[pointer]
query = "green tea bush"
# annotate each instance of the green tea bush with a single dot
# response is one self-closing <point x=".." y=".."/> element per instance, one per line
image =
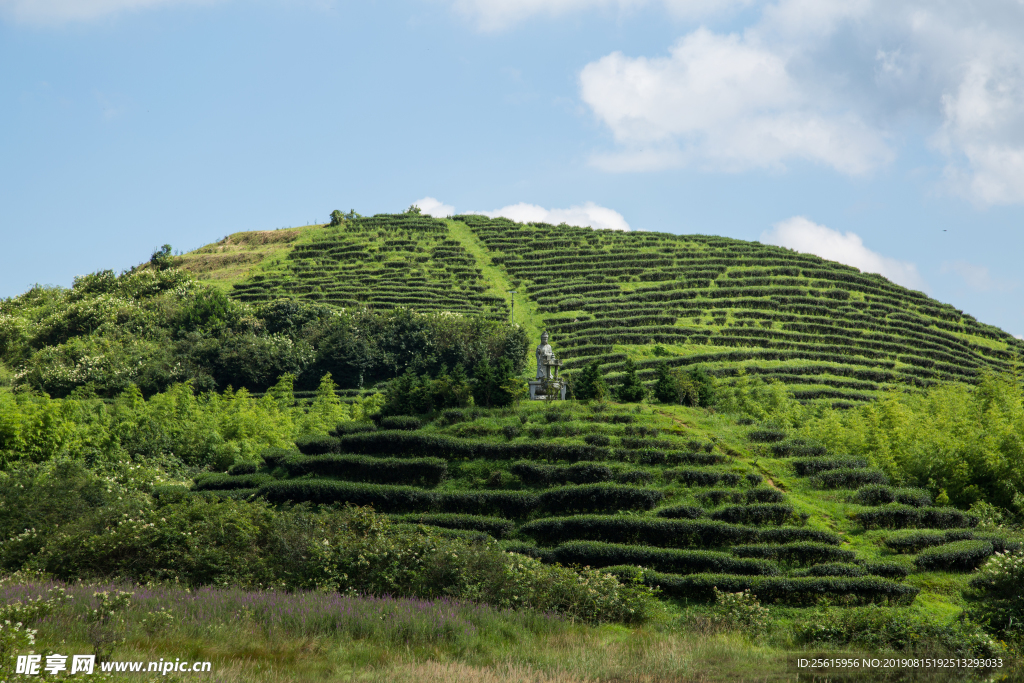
<point x="916" y="541"/>
<point x="242" y="468"/>
<point x="831" y="569"/>
<point x="797" y="448"/>
<point x="682" y="512"/>
<point x="883" y="495"/>
<point x="597" y="554"/>
<point x="679" y="533"/>
<point x="957" y="556"/>
<point x="998" y="599"/>
<point x="811" y="466"/>
<point x="703" y="478"/>
<point x="849" y="478"/>
<point x="545" y="475"/>
<point x="760" y="494"/>
<point x="796" y="553"/>
<point x="760" y="513"/>
<point x="403" y="422"/>
<point x="318" y="445"/>
<point x="599" y="498"/>
<point x="495" y="526"/>
<point x="791" y="590"/>
<point x="272" y="457"/>
<point x="766" y="435"/>
<point x="897" y="516"/>
<point x="889" y="570"/>
<point x="353" y="427"/>
<point x="227" y="481"/>
<point x="427" y="471"/>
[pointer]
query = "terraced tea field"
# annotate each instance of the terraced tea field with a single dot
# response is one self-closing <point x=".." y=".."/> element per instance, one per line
<point x="685" y="500"/>
<point x="827" y="331"/>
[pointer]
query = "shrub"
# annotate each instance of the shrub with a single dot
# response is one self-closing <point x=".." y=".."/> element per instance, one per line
<point x="793" y="590"/>
<point x="272" y="457"/>
<point x="797" y="448"/>
<point x="597" y="439"/>
<point x="889" y="570"/>
<point x="811" y="466"/>
<point x="917" y="541"/>
<point x="318" y="445"/>
<point x="831" y="569"/>
<point x="599" y="498"/>
<point x="511" y="431"/>
<point x="897" y="516"/>
<point x="591" y="385"/>
<point x="354" y="427"/>
<point x="364" y="468"/>
<point x="760" y="494"/>
<point x="682" y="512"/>
<point x="882" y="495"/>
<point x="634" y="477"/>
<point x="764" y="513"/>
<point x="242" y="468"/>
<point x="402" y="422"/>
<point x="958" y="556"/>
<point x="703" y="477"/>
<point x="495" y="526"/>
<point x="766" y="435"/>
<point x="399" y="443"/>
<point x="545" y="475"/>
<point x="679" y="533"/>
<point x="226" y="481"/>
<point x="597" y="554"/>
<point x="997" y="591"/>
<point x="796" y="553"/>
<point x="849" y="478"/>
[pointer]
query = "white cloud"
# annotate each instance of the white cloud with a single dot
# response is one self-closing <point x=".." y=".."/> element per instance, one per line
<point x="62" y="11"/>
<point x="722" y="101"/>
<point x="497" y="15"/>
<point x="977" y="277"/>
<point x="435" y="208"/>
<point x="842" y="83"/>
<point x="588" y="215"/>
<point x="805" y="236"/>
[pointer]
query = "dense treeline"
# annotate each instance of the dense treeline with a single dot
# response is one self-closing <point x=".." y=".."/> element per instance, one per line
<point x="154" y="328"/>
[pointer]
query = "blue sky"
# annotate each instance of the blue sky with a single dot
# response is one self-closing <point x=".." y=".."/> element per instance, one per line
<point x="885" y="134"/>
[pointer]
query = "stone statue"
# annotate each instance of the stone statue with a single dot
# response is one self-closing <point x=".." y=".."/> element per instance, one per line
<point x="544" y="356"/>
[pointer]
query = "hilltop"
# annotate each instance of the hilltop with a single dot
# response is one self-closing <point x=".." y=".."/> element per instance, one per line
<point x="823" y="329"/>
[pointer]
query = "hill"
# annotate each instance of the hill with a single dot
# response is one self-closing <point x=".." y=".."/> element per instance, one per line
<point x="825" y="330"/>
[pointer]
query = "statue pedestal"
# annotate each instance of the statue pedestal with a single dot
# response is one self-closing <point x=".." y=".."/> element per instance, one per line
<point x="543" y="390"/>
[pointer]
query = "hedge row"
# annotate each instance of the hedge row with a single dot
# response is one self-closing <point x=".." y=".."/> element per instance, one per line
<point x="958" y="556"/>
<point x="889" y="570"/>
<point x="495" y="526"/>
<point x="682" y="512"/>
<point x="705" y="478"/>
<point x="429" y="471"/>
<point x="811" y="466"/>
<point x="917" y="541"/>
<point x="599" y="498"/>
<point x="665" y="533"/>
<point x="597" y="554"/>
<point x="849" y="478"/>
<point x="792" y="590"/>
<point x="767" y="435"/>
<point x="762" y="513"/>
<point x="545" y="475"/>
<point x="883" y="495"/>
<point x="223" y="482"/>
<point x="409" y="443"/>
<point x="804" y="553"/>
<point x="657" y="457"/>
<point x="797" y="448"/>
<point x="761" y="494"/>
<point x="906" y="517"/>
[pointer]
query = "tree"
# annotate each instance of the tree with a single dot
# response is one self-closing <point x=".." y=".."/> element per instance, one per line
<point x="591" y="385"/>
<point x="337" y="217"/>
<point x="705" y="386"/>
<point x="161" y="258"/>
<point x="666" y="389"/>
<point x="483" y="383"/>
<point x="631" y="390"/>
<point x="415" y="210"/>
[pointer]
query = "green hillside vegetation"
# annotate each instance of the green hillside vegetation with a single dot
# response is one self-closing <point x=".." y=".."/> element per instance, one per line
<point x="825" y="330"/>
<point x="767" y="456"/>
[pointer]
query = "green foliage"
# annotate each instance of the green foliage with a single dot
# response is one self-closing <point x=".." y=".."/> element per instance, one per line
<point x="878" y="628"/>
<point x="597" y="554"/>
<point x="849" y="478"/>
<point x="916" y="541"/>
<point x="632" y="389"/>
<point x="161" y="258"/>
<point x="958" y="556"/>
<point x="999" y="601"/>
<point x="895" y="516"/>
<point x="796" y="553"/>
<point x="742" y="610"/>
<point x="882" y="495"/>
<point x="591" y="385"/>
<point x="337" y="218"/>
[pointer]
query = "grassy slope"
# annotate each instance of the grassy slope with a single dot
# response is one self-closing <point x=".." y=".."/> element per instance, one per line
<point x="825" y="330"/>
<point x="657" y="649"/>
